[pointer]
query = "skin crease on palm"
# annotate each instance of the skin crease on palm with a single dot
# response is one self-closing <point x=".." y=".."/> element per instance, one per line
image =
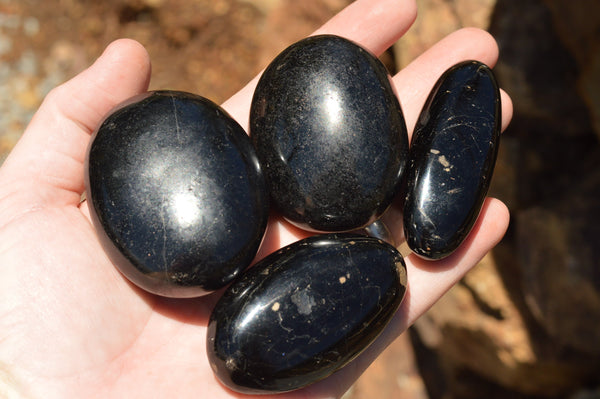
<point x="72" y="327"/>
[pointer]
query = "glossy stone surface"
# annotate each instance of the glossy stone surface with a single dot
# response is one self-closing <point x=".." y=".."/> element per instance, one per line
<point x="452" y="157"/>
<point x="176" y="193"/>
<point x="303" y="312"/>
<point x="330" y="134"/>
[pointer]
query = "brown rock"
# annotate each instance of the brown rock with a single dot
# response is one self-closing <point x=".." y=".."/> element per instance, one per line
<point x="559" y="247"/>
<point x="579" y="29"/>
<point x="477" y="327"/>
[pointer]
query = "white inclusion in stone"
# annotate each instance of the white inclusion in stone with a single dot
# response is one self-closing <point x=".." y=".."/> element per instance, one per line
<point x="442" y="159"/>
<point x="345" y="278"/>
<point x="303" y="301"/>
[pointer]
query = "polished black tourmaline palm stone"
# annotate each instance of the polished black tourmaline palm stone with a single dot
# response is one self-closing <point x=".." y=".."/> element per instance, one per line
<point x="304" y="312"/>
<point x="330" y="134"/>
<point x="176" y="193"/>
<point x="452" y="157"/>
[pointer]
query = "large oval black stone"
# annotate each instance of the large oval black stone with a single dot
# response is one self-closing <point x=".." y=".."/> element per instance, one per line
<point x="330" y="134"/>
<point x="176" y="193"/>
<point x="452" y="157"/>
<point x="303" y="312"/>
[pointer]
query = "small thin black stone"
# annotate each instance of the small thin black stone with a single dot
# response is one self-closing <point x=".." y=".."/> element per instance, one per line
<point x="303" y="312"/>
<point x="330" y="134"/>
<point x="176" y="193"/>
<point x="452" y="157"/>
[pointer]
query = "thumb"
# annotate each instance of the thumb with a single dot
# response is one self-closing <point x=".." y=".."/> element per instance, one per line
<point x="46" y="166"/>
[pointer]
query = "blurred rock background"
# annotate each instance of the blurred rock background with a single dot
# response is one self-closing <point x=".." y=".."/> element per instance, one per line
<point x="525" y="323"/>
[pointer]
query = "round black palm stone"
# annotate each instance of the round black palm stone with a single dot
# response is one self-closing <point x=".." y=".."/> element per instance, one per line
<point x="176" y="193"/>
<point x="330" y="134"/>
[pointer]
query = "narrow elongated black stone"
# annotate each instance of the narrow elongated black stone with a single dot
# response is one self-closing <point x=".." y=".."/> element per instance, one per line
<point x="452" y="157"/>
<point x="303" y="312"/>
<point x="330" y="134"/>
<point x="176" y="193"/>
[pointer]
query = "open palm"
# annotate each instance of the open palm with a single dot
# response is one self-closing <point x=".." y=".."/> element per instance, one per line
<point x="72" y="327"/>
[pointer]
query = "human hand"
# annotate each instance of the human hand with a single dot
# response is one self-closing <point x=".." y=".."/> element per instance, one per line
<point x="72" y="326"/>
